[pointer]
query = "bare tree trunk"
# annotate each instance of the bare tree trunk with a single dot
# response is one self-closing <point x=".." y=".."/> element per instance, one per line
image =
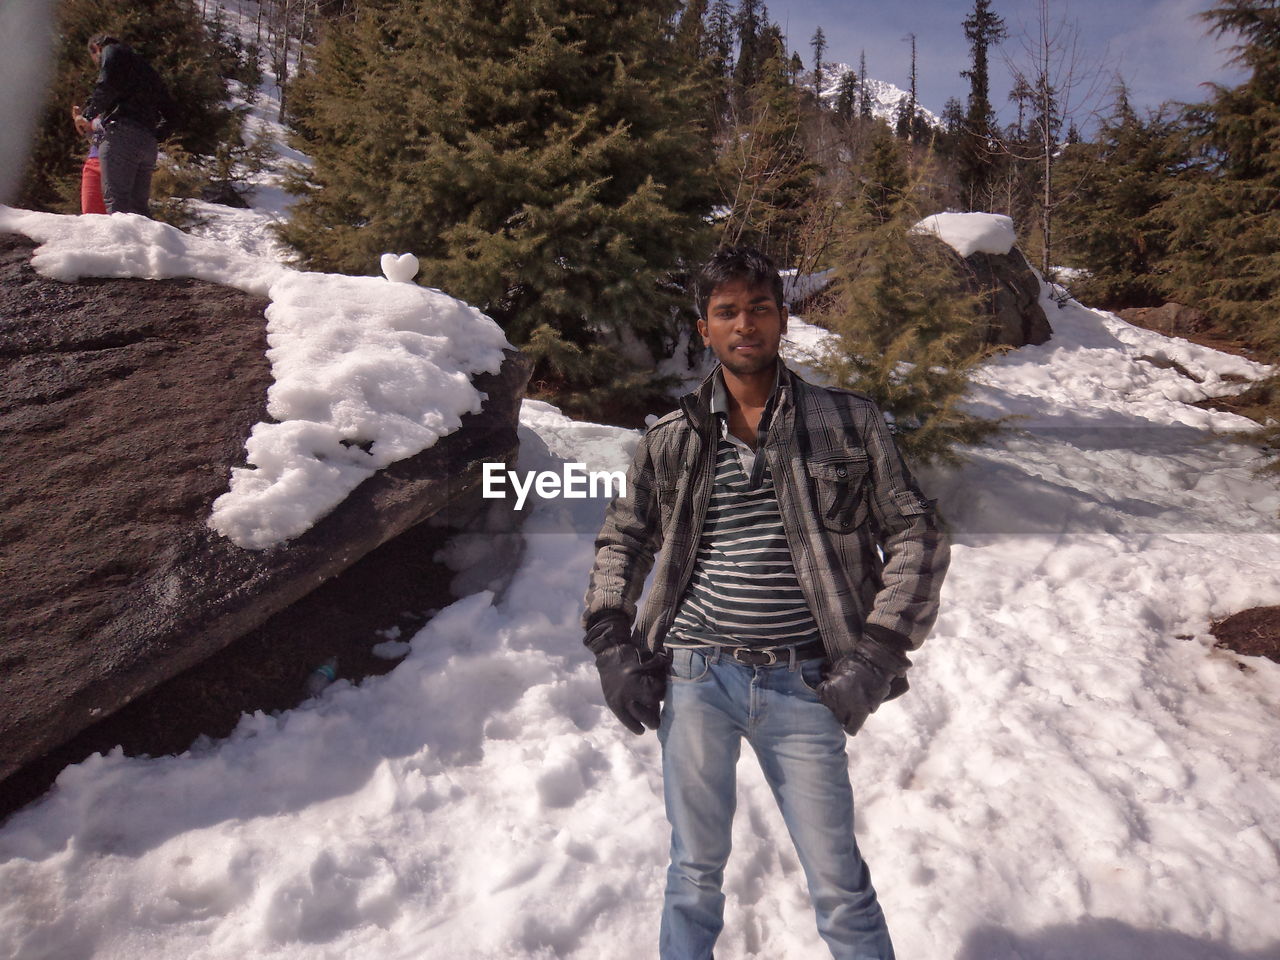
<point x="1046" y="224"/>
<point x="282" y="80"/>
<point x="1053" y="78"/>
<point x="302" y="37"/>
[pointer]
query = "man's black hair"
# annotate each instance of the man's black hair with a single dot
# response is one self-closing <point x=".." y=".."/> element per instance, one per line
<point x="102" y="40"/>
<point x="735" y="263"/>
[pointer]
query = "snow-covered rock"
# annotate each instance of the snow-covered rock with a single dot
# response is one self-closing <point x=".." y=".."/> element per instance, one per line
<point x="970" y="233"/>
<point x="364" y="406"/>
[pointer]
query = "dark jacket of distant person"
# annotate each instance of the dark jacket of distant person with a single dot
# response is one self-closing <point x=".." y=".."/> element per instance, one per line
<point x="129" y="89"/>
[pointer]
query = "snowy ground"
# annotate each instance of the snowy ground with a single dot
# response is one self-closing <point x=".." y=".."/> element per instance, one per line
<point x="1076" y="774"/>
<point x="1067" y="779"/>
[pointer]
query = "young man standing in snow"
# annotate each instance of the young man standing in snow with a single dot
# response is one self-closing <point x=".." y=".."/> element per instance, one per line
<point x="797" y="564"/>
<point x="128" y="106"/>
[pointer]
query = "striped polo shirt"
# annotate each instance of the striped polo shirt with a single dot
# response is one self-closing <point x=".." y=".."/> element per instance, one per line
<point x="744" y="588"/>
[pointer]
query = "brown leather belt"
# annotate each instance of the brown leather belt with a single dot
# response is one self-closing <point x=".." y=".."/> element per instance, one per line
<point x="761" y="656"/>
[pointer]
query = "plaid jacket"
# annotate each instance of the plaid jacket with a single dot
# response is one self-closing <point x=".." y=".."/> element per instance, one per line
<point x="843" y="491"/>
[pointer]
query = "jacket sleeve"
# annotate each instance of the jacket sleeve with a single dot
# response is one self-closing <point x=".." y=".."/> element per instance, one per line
<point x="110" y="86"/>
<point x="916" y="550"/>
<point x="626" y="545"/>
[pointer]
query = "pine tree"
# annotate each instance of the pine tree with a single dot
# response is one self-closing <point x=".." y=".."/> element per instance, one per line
<point x="983" y="28"/>
<point x="847" y="96"/>
<point x="767" y="178"/>
<point x="691" y="34"/>
<point x="1024" y="98"/>
<point x="720" y="35"/>
<point x="953" y="116"/>
<point x="719" y="42"/>
<point x="1224" y="218"/>
<point x="170" y="34"/>
<point x="903" y="324"/>
<point x="547" y="163"/>
<point x="752" y="52"/>
<point x="1117" y="182"/>
<point x="796" y="68"/>
<point x="864" y="91"/>
<point x="1224" y="215"/>
<point x="902" y="117"/>
<point x="905" y="120"/>
<point x="819" y="44"/>
<point x="884" y="176"/>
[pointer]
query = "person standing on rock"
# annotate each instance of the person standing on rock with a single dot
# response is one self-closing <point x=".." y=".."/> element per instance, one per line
<point x="131" y="105"/>
<point x="797" y="565"/>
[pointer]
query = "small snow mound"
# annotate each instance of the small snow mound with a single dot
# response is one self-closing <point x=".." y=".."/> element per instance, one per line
<point x="970" y="233"/>
<point x="399" y="267"/>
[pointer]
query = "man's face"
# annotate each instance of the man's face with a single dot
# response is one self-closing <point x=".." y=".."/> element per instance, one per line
<point x="743" y="326"/>
<point x="95" y="54"/>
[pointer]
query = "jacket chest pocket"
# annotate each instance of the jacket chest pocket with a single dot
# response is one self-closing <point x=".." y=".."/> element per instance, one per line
<point x="840" y="489"/>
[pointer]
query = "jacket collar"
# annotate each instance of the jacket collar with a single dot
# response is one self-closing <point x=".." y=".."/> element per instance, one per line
<point x="697" y="405"/>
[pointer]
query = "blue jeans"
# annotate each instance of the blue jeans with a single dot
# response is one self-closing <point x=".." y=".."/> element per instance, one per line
<point x="712" y="703"/>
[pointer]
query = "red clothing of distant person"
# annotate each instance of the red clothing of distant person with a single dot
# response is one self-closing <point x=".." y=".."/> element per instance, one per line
<point x="91" y="186"/>
<point x="91" y="200"/>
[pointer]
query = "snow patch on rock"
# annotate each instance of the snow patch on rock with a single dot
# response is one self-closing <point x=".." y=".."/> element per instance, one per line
<point x="970" y="233"/>
<point x="366" y="372"/>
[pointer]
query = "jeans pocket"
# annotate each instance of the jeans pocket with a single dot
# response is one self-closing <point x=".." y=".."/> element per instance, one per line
<point x="811" y="674"/>
<point x="688" y="665"/>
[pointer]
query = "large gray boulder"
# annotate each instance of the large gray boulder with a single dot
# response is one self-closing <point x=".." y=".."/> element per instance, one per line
<point x="1008" y="311"/>
<point x="124" y="404"/>
<point x="1006" y="291"/>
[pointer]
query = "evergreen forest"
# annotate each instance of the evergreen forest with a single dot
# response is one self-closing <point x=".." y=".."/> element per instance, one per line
<point x="564" y="165"/>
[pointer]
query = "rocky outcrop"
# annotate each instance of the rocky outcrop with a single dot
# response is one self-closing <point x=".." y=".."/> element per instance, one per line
<point x="124" y="403"/>
<point x="1007" y="290"/>
<point x="1009" y="312"/>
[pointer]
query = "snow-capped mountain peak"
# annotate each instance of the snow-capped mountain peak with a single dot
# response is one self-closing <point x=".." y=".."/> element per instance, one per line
<point x="885" y="97"/>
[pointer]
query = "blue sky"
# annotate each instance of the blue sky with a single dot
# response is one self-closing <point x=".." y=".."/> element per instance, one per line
<point x="1159" y="46"/>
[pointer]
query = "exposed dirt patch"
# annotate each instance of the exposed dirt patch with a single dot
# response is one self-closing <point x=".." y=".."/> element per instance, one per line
<point x="1253" y="633"/>
<point x="1174" y="320"/>
<point x="1164" y="363"/>
<point x="1260" y="403"/>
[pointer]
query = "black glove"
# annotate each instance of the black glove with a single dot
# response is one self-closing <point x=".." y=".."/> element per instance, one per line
<point x="633" y="686"/>
<point x="860" y="681"/>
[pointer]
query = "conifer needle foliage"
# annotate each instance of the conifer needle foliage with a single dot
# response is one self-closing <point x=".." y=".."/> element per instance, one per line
<point x="1110" y="226"/>
<point x="545" y="160"/>
<point x="904" y="325"/>
<point x="1224" y="216"/>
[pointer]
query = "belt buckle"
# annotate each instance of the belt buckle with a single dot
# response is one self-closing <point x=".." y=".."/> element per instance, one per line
<point x="773" y="657"/>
